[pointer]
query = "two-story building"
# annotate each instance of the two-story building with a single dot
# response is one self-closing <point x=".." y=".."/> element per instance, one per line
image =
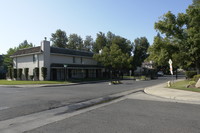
<point x="61" y="63"/>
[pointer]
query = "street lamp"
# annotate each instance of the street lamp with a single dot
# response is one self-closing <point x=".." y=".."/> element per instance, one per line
<point x="65" y="66"/>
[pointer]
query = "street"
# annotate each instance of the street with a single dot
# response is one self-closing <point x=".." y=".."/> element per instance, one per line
<point x="23" y="101"/>
<point x="44" y="110"/>
<point x="139" y="113"/>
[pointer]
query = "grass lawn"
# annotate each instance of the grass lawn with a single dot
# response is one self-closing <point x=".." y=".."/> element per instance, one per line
<point x="6" y="82"/>
<point x="181" y="85"/>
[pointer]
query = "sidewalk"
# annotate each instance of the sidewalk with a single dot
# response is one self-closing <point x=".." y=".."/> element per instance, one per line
<point x="161" y="91"/>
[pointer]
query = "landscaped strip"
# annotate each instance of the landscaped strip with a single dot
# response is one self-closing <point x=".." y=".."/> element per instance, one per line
<point x="7" y="82"/>
<point x="182" y="85"/>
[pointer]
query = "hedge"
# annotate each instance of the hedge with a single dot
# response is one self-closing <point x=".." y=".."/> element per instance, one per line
<point x="26" y="72"/>
<point x="19" y="73"/>
<point x="36" y="72"/>
<point x="190" y="74"/>
<point x="44" y="72"/>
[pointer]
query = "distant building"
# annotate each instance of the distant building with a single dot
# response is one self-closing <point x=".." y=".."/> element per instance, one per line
<point x="61" y="63"/>
<point x="144" y="67"/>
<point x="148" y="65"/>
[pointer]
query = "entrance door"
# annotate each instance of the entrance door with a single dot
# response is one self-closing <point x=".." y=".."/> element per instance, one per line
<point x="54" y="74"/>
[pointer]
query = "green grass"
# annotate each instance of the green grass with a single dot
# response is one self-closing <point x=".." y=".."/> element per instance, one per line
<point x="6" y="82"/>
<point x="129" y="77"/>
<point x="181" y="85"/>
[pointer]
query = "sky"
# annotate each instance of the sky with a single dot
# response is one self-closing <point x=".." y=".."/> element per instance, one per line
<point x="32" y="20"/>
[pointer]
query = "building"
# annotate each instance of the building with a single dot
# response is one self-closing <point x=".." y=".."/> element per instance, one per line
<point x="61" y="63"/>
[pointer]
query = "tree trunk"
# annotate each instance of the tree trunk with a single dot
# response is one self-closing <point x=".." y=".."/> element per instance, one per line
<point x="198" y="67"/>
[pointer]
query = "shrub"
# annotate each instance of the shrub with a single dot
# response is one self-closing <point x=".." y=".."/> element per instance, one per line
<point x="10" y="75"/>
<point x="44" y="72"/>
<point x="31" y="77"/>
<point x="36" y="72"/>
<point x="15" y="73"/>
<point x="190" y="74"/>
<point x="26" y="71"/>
<point x="19" y="73"/>
<point x="192" y="83"/>
<point x="143" y="77"/>
<point x="196" y="77"/>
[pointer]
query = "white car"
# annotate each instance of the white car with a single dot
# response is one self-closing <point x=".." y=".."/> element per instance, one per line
<point x="160" y="73"/>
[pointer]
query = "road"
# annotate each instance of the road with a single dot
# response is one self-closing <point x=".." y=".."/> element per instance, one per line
<point x="16" y="102"/>
<point x="138" y="113"/>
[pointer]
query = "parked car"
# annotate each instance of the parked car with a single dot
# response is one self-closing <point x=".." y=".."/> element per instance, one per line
<point x="160" y="73"/>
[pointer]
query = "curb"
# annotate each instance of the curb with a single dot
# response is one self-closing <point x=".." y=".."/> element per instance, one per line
<point x="173" y="94"/>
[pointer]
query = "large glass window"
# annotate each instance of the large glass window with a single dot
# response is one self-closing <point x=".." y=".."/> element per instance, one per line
<point x="74" y="60"/>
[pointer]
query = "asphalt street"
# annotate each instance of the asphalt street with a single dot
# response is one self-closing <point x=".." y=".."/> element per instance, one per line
<point x="15" y="101"/>
<point x="139" y="113"/>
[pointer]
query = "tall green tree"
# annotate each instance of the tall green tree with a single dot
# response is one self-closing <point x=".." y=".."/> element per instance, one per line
<point x="7" y="60"/>
<point x="59" y="39"/>
<point x="141" y="46"/>
<point x="75" y="42"/>
<point x="100" y="42"/>
<point x="183" y="31"/>
<point x="114" y="58"/>
<point x="88" y="43"/>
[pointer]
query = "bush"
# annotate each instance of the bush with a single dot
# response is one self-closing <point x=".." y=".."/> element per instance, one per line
<point x="15" y="73"/>
<point x="190" y="74"/>
<point x="196" y="77"/>
<point x="26" y="71"/>
<point x="192" y="83"/>
<point x="31" y="77"/>
<point x="44" y="72"/>
<point x="10" y="75"/>
<point x="19" y="73"/>
<point x="143" y="77"/>
<point x="36" y="72"/>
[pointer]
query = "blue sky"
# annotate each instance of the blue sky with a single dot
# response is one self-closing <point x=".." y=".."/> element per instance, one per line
<point x="33" y="20"/>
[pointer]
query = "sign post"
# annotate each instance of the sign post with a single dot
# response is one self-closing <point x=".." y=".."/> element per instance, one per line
<point x="171" y="68"/>
<point x="65" y="66"/>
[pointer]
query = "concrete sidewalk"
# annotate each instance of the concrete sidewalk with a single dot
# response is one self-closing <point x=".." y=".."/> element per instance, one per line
<point x="161" y="91"/>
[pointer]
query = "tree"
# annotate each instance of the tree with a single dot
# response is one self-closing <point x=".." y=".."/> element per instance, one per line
<point x="183" y="31"/>
<point x="110" y="36"/>
<point x="26" y="72"/>
<point x="75" y="42"/>
<point x="141" y="46"/>
<point x="44" y="72"/>
<point x="114" y="58"/>
<point x="100" y="42"/>
<point x="88" y="43"/>
<point x="36" y="73"/>
<point x="19" y="73"/>
<point x="7" y="60"/>
<point x="161" y="51"/>
<point x="124" y="44"/>
<point x="59" y="39"/>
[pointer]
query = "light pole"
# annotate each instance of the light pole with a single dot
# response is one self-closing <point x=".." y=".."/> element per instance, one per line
<point x="65" y="66"/>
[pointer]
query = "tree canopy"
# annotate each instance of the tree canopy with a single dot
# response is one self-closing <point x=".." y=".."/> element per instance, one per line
<point x="141" y="46"/>
<point x="75" y="42"/>
<point x="181" y="38"/>
<point x="59" y="39"/>
<point x="7" y="60"/>
<point x="113" y="51"/>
